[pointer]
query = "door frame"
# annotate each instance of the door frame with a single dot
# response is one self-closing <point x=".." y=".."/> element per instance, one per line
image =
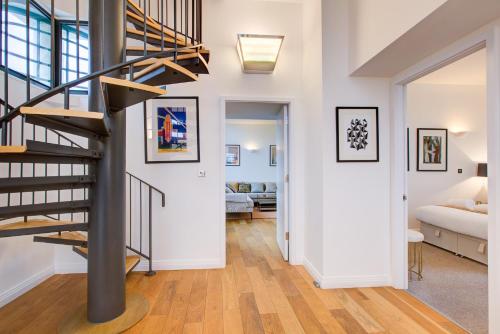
<point x="487" y="37"/>
<point x="294" y="224"/>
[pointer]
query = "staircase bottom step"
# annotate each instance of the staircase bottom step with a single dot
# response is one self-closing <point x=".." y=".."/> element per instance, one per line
<point x="131" y="261"/>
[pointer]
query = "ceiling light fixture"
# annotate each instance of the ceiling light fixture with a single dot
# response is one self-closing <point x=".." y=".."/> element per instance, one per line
<point x="258" y="53"/>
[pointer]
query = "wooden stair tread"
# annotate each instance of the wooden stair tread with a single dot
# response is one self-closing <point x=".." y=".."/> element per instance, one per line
<point x="135" y="7"/>
<point x="84" y="123"/>
<point x="50" y="208"/>
<point x="154" y="26"/>
<point x="153" y="38"/>
<point x="13" y="149"/>
<point x="37" y="226"/>
<point x="121" y="94"/>
<point x="64" y="238"/>
<point x="131" y="262"/>
<point x="139" y="50"/>
<point x="69" y="236"/>
<point x="132" y="85"/>
<point x="165" y="72"/>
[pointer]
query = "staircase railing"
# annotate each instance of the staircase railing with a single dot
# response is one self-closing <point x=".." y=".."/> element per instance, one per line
<point x="141" y="217"/>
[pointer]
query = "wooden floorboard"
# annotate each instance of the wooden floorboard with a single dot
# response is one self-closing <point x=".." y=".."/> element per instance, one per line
<point x="257" y="292"/>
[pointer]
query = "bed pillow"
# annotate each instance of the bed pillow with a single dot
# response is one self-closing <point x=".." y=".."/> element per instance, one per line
<point x="462" y="204"/>
<point x="481" y="208"/>
<point x="244" y="188"/>
<point x="270" y="187"/>
<point x="233" y="186"/>
<point x="258" y="187"/>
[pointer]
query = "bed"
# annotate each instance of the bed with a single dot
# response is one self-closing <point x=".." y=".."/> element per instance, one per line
<point x="463" y="232"/>
<point x="239" y="203"/>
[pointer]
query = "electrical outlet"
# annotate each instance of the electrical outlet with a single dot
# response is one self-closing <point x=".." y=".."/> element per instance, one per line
<point x="460" y="171"/>
<point x="202" y="173"/>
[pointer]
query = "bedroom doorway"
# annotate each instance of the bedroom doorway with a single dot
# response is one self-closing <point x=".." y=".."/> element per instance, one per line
<point x="446" y="189"/>
<point x="256" y="173"/>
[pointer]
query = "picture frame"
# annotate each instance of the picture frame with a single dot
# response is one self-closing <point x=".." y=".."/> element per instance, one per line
<point x="357" y="134"/>
<point x="432" y="150"/>
<point x="233" y="155"/>
<point x="172" y="130"/>
<point x="273" y="158"/>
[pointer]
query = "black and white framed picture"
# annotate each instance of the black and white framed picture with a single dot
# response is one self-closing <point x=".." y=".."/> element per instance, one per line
<point x="357" y="134"/>
<point x="172" y="131"/>
<point x="273" y="158"/>
<point x="233" y="155"/>
<point x="432" y="150"/>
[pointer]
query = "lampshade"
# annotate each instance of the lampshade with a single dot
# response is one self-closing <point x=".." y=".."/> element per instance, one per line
<point x="482" y="169"/>
<point x="258" y="53"/>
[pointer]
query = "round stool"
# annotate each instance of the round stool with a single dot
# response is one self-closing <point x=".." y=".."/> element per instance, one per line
<point x="415" y="239"/>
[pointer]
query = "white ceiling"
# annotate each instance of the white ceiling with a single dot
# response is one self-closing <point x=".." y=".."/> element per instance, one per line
<point x="470" y="70"/>
<point x="252" y="110"/>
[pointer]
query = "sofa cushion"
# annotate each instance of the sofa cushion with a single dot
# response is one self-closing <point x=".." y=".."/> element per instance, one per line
<point x="257" y="187"/>
<point x="271" y="187"/>
<point x="244" y="187"/>
<point x="233" y="186"/>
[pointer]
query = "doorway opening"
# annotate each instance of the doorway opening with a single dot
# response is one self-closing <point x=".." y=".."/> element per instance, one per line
<point x="446" y="187"/>
<point x="256" y="171"/>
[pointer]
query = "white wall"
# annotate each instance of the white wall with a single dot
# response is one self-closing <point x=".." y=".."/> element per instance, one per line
<point x="374" y="24"/>
<point x="457" y="108"/>
<point x="188" y="231"/>
<point x="355" y="195"/>
<point x="254" y="165"/>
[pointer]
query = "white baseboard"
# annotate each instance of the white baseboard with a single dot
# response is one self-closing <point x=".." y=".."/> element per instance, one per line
<point x="180" y="264"/>
<point x="338" y="282"/>
<point x="81" y="267"/>
<point x="70" y="268"/>
<point x="23" y="287"/>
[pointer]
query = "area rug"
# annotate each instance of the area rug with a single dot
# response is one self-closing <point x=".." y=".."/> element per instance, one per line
<point x="456" y="287"/>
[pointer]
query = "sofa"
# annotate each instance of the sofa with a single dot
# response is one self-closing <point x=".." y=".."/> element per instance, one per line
<point x="241" y="196"/>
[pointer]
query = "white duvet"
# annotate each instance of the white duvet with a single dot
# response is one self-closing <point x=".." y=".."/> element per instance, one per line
<point x="460" y="221"/>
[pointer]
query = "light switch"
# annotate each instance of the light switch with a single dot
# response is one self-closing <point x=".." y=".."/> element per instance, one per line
<point x="202" y="173"/>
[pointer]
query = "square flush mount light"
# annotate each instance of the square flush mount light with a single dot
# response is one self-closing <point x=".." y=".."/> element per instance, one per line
<point x="258" y="53"/>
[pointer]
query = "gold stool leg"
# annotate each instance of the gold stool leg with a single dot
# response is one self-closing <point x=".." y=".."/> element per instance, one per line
<point x="420" y="261"/>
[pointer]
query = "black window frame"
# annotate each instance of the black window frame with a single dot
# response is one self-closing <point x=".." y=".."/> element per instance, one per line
<point x="56" y="53"/>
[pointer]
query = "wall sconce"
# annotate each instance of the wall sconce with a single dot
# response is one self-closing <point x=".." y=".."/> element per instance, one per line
<point x="258" y="53"/>
<point x="252" y="148"/>
<point x="459" y="134"/>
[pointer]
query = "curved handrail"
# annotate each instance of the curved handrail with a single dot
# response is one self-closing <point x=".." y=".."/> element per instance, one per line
<point x="150" y="186"/>
<point x="60" y="89"/>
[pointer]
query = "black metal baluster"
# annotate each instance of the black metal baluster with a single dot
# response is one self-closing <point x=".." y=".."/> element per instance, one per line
<point x="6" y="107"/>
<point x="199" y="22"/>
<point x="125" y="31"/>
<point x="145" y="29"/>
<point x="192" y="22"/>
<point x="58" y="172"/>
<point x="53" y="69"/>
<point x="186" y="32"/>
<point x="77" y="39"/>
<point x="149" y="7"/>
<point x="140" y="216"/>
<point x="6" y="73"/>
<point x="182" y="16"/>
<point x="162" y="28"/>
<point x="130" y="208"/>
<point x="175" y="31"/>
<point x="150" y="253"/>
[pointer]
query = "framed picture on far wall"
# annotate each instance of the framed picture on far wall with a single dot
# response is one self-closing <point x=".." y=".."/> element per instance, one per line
<point x="232" y="155"/>
<point x="432" y="150"/>
<point x="172" y="131"/>
<point x="273" y="160"/>
<point x="357" y="134"/>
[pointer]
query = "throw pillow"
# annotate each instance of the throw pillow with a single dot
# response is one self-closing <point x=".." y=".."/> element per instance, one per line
<point x="258" y="187"/>
<point x="233" y="186"/>
<point x="462" y="204"/>
<point x="481" y="208"/>
<point x="229" y="191"/>
<point x="271" y="187"/>
<point x="244" y="188"/>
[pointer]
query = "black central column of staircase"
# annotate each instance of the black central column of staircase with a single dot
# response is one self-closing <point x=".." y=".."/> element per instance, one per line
<point x="106" y="240"/>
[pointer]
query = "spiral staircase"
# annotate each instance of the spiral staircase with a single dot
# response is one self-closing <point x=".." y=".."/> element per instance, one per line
<point x="156" y="55"/>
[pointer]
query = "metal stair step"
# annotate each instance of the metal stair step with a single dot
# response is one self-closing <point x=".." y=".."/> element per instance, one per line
<point x="164" y="72"/>
<point x="64" y="238"/>
<point x="26" y="184"/>
<point x="82" y="123"/>
<point x="44" y="209"/>
<point x="39" y="226"/>
<point x="120" y="94"/>
<point x="35" y="151"/>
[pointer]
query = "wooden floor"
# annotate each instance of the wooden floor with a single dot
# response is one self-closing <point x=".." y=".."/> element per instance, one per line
<point x="256" y="293"/>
